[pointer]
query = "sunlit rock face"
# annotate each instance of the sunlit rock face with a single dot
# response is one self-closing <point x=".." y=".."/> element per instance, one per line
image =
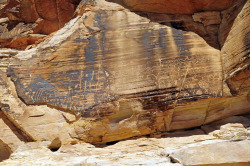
<point x="110" y="74"/>
<point x="235" y="57"/>
<point x="122" y="56"/>
<point x="209" y="18"/>
<point x="220" y="23"/>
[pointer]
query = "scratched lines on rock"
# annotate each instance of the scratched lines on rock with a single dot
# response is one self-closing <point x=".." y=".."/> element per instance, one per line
<point x="124" y="59"/>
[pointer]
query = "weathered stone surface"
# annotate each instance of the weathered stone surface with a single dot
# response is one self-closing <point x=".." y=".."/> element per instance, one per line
<point x="10" y="137"/>
<point x="235" y="57"/>
<point x="233" y="128"/>
<point x="178" y="14"/>
<point x="18" y="31"/>
<point x="187" y="23"/>
<point x="197" y="146"/>
<point x="224" y="153"/>
<point x="228" y="17"/>
<point x="115" y="75"/>
<point x="110" y="74"/>
<point x="175" y="7"/>
<point x="22" y="42"/>
<point x="4" y="151"/>
<point x="207" y="18"/>
<point x="32" y="16"/>
<point x="121" y="67"/>
<point x="6" y="5"/>
<point x="28" y="123"/>
<point x="207" y="111"/>
<point x="53" y="14"/>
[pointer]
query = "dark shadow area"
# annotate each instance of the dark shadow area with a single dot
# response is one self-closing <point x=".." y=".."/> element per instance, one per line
<point x="185" y="133"/>
<point x="54" y="149"/>
<point x="111" y="143"/>
<point x="55" y="145"/>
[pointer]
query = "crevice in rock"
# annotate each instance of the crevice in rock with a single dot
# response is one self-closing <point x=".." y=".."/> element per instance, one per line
<point x="206" y="114"/>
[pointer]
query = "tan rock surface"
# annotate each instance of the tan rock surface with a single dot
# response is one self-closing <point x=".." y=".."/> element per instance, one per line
<point x="110" y="75"/>
<point x="194" y="148"/>
<point x="175" y="7"/>
<point x="226" y="153"/>
<point x="88" y="73"/>
<point x="235" y="57"/>
<point x="96" y="70"/>
<point x="207" y="18"/>
<point x="97" y="73"/>
<point x="178" y="14"/>
<point x="32" y="16"/>
<point x="5" y="151"/>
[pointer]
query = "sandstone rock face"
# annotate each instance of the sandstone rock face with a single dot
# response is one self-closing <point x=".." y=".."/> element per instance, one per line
<point x="118" y="76"/>
<point x="32" y="16"/>
<point x="180" y="148"/>
<point x="201" y="17"/>
<point x="4" y="151"/>
<point x="214" y="153"/>
<point x="175" y="7"/>
<point x="110" y="74"/>
<point x="235" y="58"/>
<point x="127" y="60"/>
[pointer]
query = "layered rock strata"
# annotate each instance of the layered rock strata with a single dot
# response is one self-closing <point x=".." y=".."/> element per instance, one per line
<point x="210" y="19"/>
<point x="226" y="144"/>
<point x="26" y="22"/>
<point x="221" y="25"/>
<point x="110" y="74"/>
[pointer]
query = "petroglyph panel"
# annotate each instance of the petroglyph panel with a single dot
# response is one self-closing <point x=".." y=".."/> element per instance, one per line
<point x="122" y="55"/>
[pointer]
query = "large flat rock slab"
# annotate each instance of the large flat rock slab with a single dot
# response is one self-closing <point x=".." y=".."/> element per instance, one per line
<point x="109" y="75"/>
<point x="117" y="54"/>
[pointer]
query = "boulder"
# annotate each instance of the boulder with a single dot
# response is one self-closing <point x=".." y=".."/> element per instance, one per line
<point x="116" y="75"/>
<point x="217" y="153"/>
<point x="110" y="74"/>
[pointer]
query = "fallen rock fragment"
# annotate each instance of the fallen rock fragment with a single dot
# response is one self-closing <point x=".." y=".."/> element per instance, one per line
<point x="217" y="153"/>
